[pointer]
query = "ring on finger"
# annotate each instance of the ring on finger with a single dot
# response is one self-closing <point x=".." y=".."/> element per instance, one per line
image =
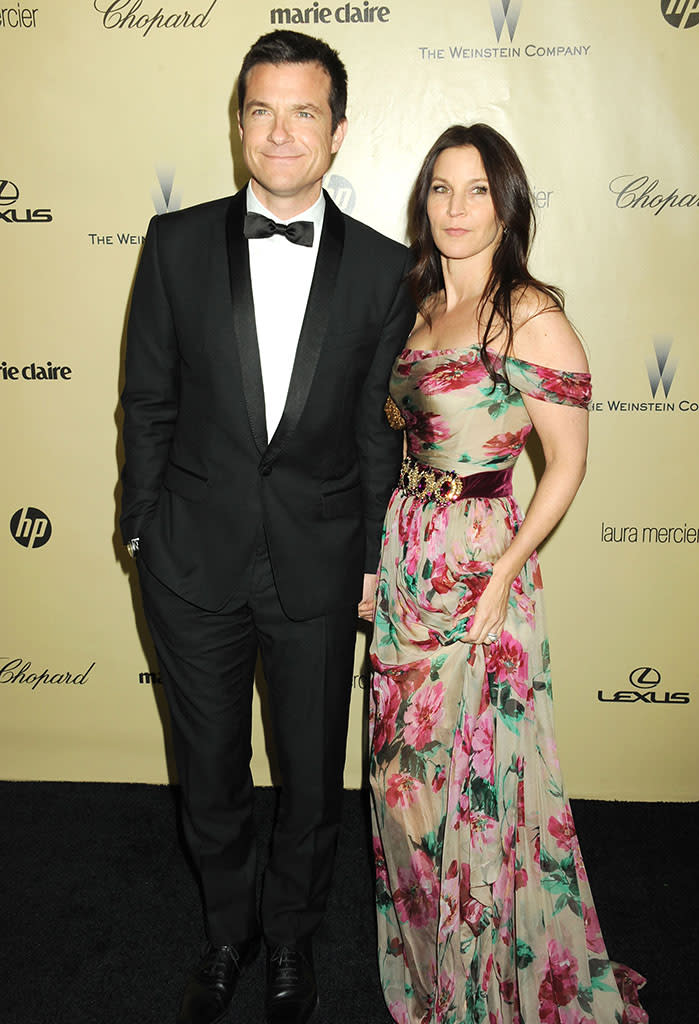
<point x="491" y="637"/>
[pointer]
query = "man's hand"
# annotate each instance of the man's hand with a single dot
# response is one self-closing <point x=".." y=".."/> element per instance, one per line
<point x="367" y="604"/>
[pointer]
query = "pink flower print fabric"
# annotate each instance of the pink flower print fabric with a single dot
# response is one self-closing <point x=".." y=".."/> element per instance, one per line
<point x="485" y="914"/>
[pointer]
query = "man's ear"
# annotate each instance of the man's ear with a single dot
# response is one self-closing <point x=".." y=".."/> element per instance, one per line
<point x="339" y="135"/>
<point x="240" y="126"/>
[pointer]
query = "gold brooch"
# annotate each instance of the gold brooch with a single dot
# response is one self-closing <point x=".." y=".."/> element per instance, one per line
<point x="393" y="415"/>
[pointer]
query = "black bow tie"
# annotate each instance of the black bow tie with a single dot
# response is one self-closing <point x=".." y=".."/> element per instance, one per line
<point x="300" y="232"/>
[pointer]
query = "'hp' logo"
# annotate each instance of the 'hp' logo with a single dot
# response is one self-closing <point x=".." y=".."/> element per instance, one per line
<point x="165" y="199"/>
<point x="505" y="12"/>
<point x="341" y="192"/>
<point x="680" y="13"/>
<point x="30" y="527"/>
<point x="662" y="370"/>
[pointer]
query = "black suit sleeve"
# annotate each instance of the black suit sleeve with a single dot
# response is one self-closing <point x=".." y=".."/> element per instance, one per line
<point x="150" y="395"/>
<point x="380" y="447"/>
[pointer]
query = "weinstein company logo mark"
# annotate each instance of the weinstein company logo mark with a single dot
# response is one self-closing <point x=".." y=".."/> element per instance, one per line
<point x="639" y="191"/>
<point x="680" y="13"/>
<point x="661" y="371"/>
<point x="505" y="12"/>
<point x="165" y="199"/>
<point x="645" y="679"/>
<point x="130" y="14"/>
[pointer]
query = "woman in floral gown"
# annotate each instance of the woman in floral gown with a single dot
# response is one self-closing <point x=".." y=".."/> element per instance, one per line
<point x="484" y="909"/>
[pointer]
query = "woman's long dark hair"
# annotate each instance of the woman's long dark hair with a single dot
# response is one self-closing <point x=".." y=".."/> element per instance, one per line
<point x="514" y="209"/>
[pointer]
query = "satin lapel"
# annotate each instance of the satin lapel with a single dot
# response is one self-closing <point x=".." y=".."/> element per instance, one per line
<point x="313" y="330"/>
<point x="244" y="320"/>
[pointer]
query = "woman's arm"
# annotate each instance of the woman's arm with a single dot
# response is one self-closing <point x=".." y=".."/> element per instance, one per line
<point x="548" y="340"/>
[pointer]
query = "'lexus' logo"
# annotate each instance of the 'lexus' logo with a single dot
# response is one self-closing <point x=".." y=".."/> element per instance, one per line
<point x="9" y="193"/>
<point x="645" y="676"/>
<point x="645" y="679"/>
<point x="662" y="370"/>
<point x="506" y="12"/>
<point x="680" y="13"/>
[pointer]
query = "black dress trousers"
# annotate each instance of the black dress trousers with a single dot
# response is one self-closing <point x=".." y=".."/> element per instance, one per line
<point x="207" y="662"/>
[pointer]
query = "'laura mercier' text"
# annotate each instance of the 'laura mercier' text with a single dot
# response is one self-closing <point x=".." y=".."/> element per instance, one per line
<point x="683" y="534"/>
<point x="18" y="17"/>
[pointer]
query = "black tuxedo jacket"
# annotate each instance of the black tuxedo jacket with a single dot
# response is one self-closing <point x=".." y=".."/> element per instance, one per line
<point x="200" y="474"/>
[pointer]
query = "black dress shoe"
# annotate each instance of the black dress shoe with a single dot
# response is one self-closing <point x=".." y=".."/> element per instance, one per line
<point x="292" y="995"/>
<point x="207" y="997"/>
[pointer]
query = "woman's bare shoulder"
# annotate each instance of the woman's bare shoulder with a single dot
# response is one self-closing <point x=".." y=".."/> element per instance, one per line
<point x="543" y="334"/>
<point x="433" y="309"/>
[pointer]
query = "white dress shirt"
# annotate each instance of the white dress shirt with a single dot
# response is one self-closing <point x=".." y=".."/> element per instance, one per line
<point x="281" y="274"/>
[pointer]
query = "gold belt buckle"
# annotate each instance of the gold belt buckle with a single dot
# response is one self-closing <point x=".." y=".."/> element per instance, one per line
<point x="440" y="486"/>
<point x="449" y="489"/>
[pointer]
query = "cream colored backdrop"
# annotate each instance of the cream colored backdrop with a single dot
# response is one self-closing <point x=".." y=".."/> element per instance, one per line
<point x="113" y="110"/>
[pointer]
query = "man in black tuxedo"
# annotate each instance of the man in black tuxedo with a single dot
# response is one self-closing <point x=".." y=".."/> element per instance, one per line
<point x="258" y="467"/>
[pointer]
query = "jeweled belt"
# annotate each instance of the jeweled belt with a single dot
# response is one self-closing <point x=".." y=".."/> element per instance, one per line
<point x="443" y="486"/>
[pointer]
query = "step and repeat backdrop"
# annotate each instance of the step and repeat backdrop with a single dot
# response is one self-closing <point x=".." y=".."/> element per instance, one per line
<point x="113" y="110"/>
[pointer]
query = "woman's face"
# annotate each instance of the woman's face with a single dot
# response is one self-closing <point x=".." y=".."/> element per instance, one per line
<point x="460" y="207"/>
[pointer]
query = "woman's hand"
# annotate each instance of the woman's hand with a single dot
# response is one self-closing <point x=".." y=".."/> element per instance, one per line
<point x="491" y="611"/>
<point x="367" y="605"/>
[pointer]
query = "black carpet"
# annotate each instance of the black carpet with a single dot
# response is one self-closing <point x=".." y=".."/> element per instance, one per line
<point x="100" y="914"/>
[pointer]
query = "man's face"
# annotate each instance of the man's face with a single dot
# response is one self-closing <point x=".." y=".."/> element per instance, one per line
<point x="286" y="131"/>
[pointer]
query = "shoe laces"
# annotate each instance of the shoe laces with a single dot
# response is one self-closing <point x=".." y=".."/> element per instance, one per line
<point x="287" y="961"/>
<point x="219" y="962"/>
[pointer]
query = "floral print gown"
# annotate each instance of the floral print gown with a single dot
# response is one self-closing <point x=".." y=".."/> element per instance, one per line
<point x="484" y="909"/>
